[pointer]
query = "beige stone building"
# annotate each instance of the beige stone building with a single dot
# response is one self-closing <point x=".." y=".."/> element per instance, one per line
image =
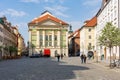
<point x="87" y="36"/>
<point x="8" y="38"/>
<point x="48" y="34"/>
<point x="20" y="41"/>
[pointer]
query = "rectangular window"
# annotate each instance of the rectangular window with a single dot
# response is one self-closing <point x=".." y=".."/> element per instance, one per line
<point x="89" y="36"/>
<point x="46" y="37"/>
<point x="41" y="44"/>
<point x="46" y="43"/>
<point x="41" y="38"/>
<point x="50" y="43"/>
<point x="89" y="30"/>
<point x="55" y="44"/>
<point x="55" y="37"/>
<point x="90" y="44"/>
<point x="50" y="37"/>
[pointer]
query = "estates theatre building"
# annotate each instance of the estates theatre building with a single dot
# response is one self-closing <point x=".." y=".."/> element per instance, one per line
<point x="47" y="32"/>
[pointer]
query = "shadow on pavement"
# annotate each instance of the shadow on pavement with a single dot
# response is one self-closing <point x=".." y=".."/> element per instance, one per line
<point x="37" y="69"/>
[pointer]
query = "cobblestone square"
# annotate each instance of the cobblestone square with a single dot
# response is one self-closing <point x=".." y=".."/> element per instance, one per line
<point x="49" y="69"/>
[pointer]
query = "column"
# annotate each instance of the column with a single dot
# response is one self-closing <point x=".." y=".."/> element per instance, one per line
<point x="43" y="38"/>
<point x="66" y="39"/>
<point x="30" y="51"/>
<point x="30" y="38"/>
<point x="53" y="38"/>
<point x="66" y="48"/>
<point x="38" y="39"/>
<point x="58" y="39"/>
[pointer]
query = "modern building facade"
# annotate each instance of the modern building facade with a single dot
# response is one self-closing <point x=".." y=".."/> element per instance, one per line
<point x="87" y="36"/>
<point x="47" y="32"/>
<point x="109" y="12"/>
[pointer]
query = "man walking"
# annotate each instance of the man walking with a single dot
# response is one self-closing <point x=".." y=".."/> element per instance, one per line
<point x="82" y="58"/>
<point x="58" y="57"/>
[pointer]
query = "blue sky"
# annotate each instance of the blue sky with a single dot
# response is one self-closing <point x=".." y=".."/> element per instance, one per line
<point x="74" y="12"/>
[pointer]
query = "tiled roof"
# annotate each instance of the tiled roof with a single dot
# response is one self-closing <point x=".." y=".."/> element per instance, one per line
<point x="75" y="34"/>
<point x="92" y="22"/>
<point x="44" y="17"/>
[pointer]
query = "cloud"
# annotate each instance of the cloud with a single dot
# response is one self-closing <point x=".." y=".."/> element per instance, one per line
<point x="58" y="10"/>
<point x="12" y="13"/>
<point x="91" y="2"/>
<point x="51" y="1"/>
<point x="46" y="1"/>
<point x="76" y="24"/>
<point x="21" y="24"/>
<point x="94" y="11"/>
<point x="31" y="1"/>
<point x="61" y="1"/>
<point x="23" y="29"/>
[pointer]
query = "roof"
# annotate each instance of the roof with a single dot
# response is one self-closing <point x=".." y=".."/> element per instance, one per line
<point x="92" y="22"/>
<point x="47" y="16"/>
<point x="75" y="34"/>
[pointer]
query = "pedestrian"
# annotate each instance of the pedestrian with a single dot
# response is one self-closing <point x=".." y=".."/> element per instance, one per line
<point x="61" y="56"/>
<point x="82" y="58"/>
<point x="58" y="57"/>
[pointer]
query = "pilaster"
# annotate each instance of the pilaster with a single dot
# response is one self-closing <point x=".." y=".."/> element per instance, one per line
<point x="38" y="39"/>
<point x="44" y="38"/>
<point x="53" y="38"/>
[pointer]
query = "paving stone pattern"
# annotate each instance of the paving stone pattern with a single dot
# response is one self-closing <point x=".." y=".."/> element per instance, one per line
<point x="49" y="69"/>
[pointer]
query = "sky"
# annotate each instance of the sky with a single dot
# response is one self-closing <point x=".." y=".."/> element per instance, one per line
<point x="74" y="12"/>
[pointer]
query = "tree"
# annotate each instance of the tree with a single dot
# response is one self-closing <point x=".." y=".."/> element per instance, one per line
<point x="118" y="40"/>
<point x="1" y="48"/>
<point x="12" y="49"/>
<point x="108" y="37"/>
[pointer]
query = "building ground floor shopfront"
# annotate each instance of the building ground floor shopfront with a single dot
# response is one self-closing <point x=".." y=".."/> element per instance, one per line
<point x="52" y="52"/>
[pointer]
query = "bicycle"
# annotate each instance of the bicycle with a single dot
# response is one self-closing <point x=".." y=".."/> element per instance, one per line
<point x="115" y="64"/>
<point x="118" y="63"/>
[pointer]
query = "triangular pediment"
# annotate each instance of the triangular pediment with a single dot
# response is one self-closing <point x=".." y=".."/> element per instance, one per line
<point x="47" y="16"/>
<point x="49" y="23"/>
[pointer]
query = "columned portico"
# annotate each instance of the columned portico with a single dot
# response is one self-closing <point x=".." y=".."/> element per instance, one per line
<point x="50" y="33"/>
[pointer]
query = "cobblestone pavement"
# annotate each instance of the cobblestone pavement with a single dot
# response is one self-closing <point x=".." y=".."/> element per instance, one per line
<point x="49" y="69"/>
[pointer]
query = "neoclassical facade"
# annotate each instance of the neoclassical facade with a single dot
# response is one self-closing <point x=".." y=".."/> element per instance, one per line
<point x="48" y="32"/>
<point x="109" y="12"/>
